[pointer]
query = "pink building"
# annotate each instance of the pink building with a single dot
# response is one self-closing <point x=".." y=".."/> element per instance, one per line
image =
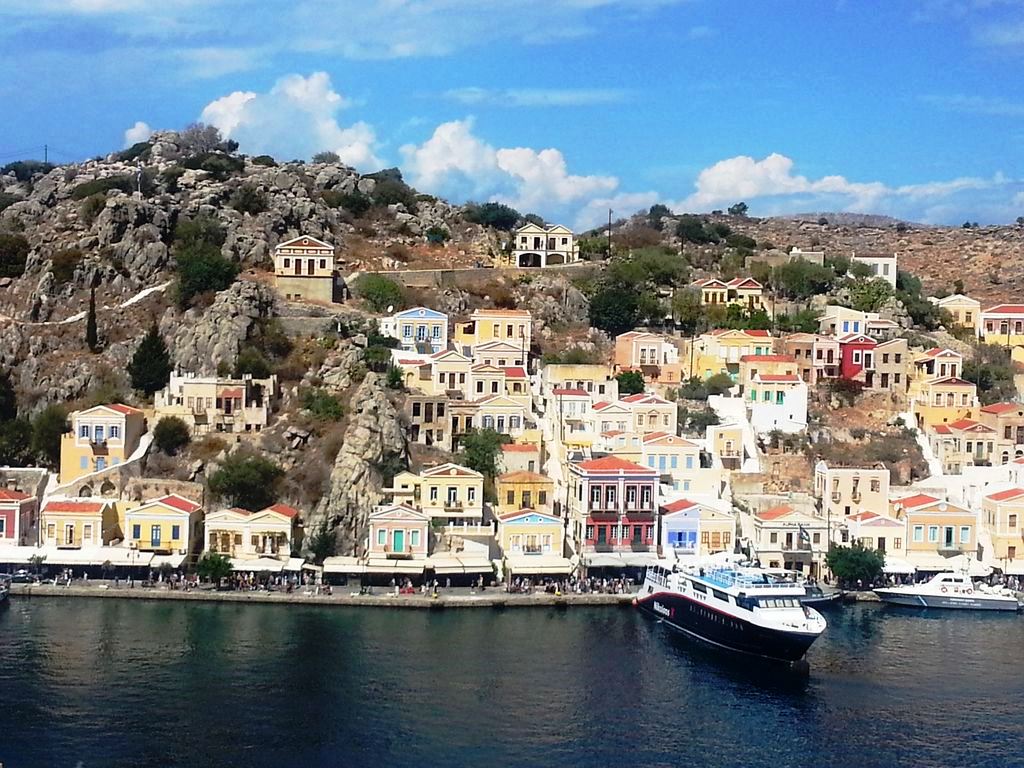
<point x="18" y="518"/>
<point x="398" y="532"/>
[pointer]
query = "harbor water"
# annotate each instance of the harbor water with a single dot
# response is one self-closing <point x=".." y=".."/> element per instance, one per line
<point x="87" y="682"/>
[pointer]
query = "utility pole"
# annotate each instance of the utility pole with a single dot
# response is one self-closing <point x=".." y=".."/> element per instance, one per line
<point x="46" y="153"/>
<point x="609" y="233"/>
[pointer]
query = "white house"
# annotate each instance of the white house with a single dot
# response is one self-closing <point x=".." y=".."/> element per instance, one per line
<point x="883" y="265"/>
<point x="534" y="245"/>
<point x="418" y="329"/>
<point x="777" y="401"/>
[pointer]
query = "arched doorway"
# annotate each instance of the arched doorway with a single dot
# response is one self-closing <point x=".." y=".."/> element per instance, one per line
<point x="556" y="258"/>
<point x="529" y="259"/>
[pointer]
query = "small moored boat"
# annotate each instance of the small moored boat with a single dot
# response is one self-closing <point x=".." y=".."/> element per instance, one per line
<point x="951" y="590"/>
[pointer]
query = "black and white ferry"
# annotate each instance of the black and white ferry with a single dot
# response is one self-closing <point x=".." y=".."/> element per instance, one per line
<point x="733" y="607"/>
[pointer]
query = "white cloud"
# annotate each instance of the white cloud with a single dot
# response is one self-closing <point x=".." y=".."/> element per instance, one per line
<point x="771" y="187"/>
<point x="138" y="132"/>
<point x="537" y="97"/>
<point x="457" y="163"/>
<point x="700" y="32"/>
<point x="297" y="117"/>
<point x="1001" y="35"/>
<point x="624" y="204"/>
<point x="212" y="61"/>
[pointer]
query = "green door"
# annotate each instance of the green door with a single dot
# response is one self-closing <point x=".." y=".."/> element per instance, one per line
<point x="399" y="541"/>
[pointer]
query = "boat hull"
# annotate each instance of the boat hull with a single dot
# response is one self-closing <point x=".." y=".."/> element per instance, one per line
<point x="725" y="631"/>
<point x="975" y="602"/>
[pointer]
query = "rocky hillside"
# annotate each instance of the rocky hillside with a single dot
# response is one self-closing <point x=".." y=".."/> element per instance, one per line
<point x="989" y="260"/>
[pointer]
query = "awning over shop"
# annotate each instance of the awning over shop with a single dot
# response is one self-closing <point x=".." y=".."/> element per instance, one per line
<point x="639" y="559"/>
<point x="897" y="566"/>
<point x="343" y="565"/>
<point x="935" y="563"/>
<point x="86" y="556"/>
<point x="603" y="560"/>
<point x="385" y="566"/>
<point x="1014" y="568"/>
<point x="461" y="563"/>
<point x="294" y="564"/>
<point x="541" y="565"/>
<point x="174" y="561"/>
<point x="259" y="565"/>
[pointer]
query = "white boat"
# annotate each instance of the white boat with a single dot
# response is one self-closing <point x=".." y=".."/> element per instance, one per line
<point x="734" y="607"/>
<point x="951" y="590"/>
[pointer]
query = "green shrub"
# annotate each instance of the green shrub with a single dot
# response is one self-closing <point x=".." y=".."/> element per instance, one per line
<point x="249" y="199"/>
<point x="323" y="405"/>
<point x="248" y="481"/>
<point x="379" y="292"/>
<point x="390" y="189"/>
<point x="355" y="203"/>
<point x="265" y="160"/>
<point x="102" y="186"/>
<point x="740" y="241"/>
<point x="437" y="235"/>
<point x="134" y="152"/>
<point x="219" y="166"/>
<point x="13" y="255"/>
<point x="171" y="434"/>
<point x="692" y="230"/>
<point x="326" y="157"/>
<point x="7" y="200"/>
<point x="150" y="366"/>
<point x="24" y="170"/>
<point x="202" y="269"/>
<point x="63" y="264"/>
<point x="91" y="207"/>
<point x="201" y="230"/>
<point x="252" y="362"/>
<point x="496" y="215"/>
<point x="170" y="177"/>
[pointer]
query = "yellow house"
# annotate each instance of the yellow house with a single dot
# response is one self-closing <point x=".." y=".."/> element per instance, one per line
<point x="942" y="401"/>
<point x="745" y="292"/>
<point x="530" y="532"/>
<point x="243" y="535"/>
<point x="726" y="443"/>
<point x="1007" y="419"/>
<point x="963" y="311"/>
<point x="789" y="538"/>
<point x="1004" y="516"/>
<point x="962" y="443"/>
<point x="512" y="326"/>
<point x="449" y="371"/>
<point x="717" y="530"/>
<point x="770" y="365"/>
<point x="937" y="531"/>
<point x="451" y="494"/>
<point x="678" y="462"/>
<point x="1003" y="324"/>
<point x="171" y="524"/>
<point x="720" y="351"/>
<point x="101" y="437"/>
<point x="304" y="269"/>
<point x="880" y="532"/>
<point x="524" y="490"/>
<point x="76" y="523"/>
<point x="595" y="380"/>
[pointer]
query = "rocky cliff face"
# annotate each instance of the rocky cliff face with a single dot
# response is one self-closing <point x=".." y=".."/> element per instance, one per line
<point x="374" y="437"/>
<point x="201" y="341"/>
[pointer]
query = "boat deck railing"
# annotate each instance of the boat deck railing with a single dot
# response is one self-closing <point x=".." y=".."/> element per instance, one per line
<point x="728" y="577"/>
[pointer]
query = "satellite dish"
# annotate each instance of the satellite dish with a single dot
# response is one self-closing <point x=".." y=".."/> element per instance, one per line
<point x="391" y="308"/>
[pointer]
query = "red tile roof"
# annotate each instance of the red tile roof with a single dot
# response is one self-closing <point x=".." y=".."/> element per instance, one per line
<point x="612" y="464"/>
<point x="515" y="372"/>
<point x="233" y="393"/>
<point x="678" y="505"/>
<point x="863" y="516"/>
<point x="576" y="392"/>
<point x="179" y="502"/>
<point x="283" y="509"/>
<point x="75" y="507"/>
<point x="775" y="512"/>
<point x="965" y="424"/>
<point x="755" y="332"/>
<point x="743" y="282"/>
<point x="1006" y="309"/>
<point x="6" y="495"/>
<point x="1012" y="493"/>
<point x="767" y="359"/>
<point x="520" y="448"/>
<point x="917" y="500"/>
<point x="121" y="408"/>
<point x="792" y="377"/>
<point x="941" y="351"/>
<point x="999" y="408"/>
<point x="523" y="476"/>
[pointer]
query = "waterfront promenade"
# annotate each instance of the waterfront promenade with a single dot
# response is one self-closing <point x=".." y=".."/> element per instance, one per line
<point x="381" y="598"/>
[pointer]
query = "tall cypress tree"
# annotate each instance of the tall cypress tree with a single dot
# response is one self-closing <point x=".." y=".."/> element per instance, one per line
<point x="91" y="334"/>
<point x="150" y="366"/>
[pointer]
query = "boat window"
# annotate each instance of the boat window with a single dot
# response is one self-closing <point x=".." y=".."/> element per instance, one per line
<point x="699" y="587"/>
<point x="720" y="595"/>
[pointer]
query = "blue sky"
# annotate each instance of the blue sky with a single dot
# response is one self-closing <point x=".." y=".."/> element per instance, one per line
<point x="913" y="108"/>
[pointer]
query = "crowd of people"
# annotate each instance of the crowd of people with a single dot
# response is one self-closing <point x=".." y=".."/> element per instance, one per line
<point x="520" y="585"/>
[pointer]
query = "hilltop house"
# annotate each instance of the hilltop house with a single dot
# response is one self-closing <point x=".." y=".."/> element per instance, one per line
<point x="534" y="245"/>
<point x="216" y="403"/>
<point x="418" y="329"/>
<point x="884" y="266"/>
<point x="964" y="311"/>
<point x="743" y="292"/>
<point x="304" y="270"/>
